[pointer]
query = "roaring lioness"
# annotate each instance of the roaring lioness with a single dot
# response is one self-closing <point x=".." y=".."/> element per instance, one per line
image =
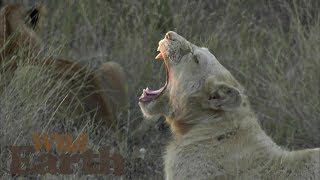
<point x="216" y="133"/>
<point x="99" y="91"/>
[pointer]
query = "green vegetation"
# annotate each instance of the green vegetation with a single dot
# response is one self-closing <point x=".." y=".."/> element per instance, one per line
<point x="272" y="47"/>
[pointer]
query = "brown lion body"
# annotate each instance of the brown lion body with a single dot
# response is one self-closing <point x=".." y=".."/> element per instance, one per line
<point x="101" y="91"/>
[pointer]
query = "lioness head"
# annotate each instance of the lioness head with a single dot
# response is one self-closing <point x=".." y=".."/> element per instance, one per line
<point x="18" y="27"/>
<point x="197" y="87"/>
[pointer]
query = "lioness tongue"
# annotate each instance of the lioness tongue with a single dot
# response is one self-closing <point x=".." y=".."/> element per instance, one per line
<point x="149" y="95"/>
<point x="153" y="92"/>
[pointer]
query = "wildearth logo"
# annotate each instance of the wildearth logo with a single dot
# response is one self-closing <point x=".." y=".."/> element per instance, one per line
<point x="41" y="159"/>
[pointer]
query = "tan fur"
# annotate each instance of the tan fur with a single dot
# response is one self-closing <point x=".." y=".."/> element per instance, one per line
<point x="216" y="134"/>
<point x="102" y="91"/>
<point x="16" y="30"/>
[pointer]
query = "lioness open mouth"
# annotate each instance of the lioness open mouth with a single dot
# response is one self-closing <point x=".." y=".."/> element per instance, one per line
<point x="148" y="95"/>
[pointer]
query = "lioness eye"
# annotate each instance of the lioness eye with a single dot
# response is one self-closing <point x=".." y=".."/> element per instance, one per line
<point x="196" y="59"/>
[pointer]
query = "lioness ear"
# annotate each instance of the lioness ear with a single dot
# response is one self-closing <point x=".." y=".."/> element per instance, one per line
<point x="33" y="16"/>
<point x="224" y="97"/>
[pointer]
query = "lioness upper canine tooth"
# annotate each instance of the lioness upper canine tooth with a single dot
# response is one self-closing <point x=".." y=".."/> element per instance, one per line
<point x="159" y="56"/>
<point x="158" y="49"/>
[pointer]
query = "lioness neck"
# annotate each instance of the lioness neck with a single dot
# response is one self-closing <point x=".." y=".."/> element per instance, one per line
<point x="222" y="127"/>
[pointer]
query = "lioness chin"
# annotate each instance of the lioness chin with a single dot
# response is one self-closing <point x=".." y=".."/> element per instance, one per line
<point x="216" y="134"/>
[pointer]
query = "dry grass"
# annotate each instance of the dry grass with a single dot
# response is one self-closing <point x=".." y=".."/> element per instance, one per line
<point x="272" y="47"/>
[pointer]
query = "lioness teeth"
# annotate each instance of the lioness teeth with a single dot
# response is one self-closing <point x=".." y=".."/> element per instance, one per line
<point x="158" y="48"/>
<point x="144" y="93"/>
<point x="159" y="56"/>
